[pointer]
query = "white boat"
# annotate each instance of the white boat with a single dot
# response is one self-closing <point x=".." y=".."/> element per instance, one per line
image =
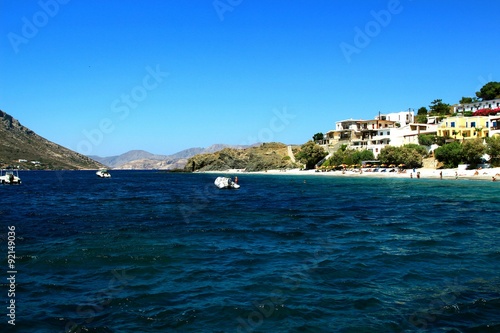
<point x="103" y="173"/>
<point x="225" y="182"/>
<point x="8" y="177"/>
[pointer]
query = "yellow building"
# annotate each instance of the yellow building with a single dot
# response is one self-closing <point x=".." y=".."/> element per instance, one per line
<point x="464" y="128"/>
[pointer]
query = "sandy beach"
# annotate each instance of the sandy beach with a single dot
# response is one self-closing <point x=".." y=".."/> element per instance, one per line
<point x="477" y="174"/>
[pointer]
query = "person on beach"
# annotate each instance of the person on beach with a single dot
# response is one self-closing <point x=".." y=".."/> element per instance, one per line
<point x="441" y="174"/>
<point x="418" y="174"/>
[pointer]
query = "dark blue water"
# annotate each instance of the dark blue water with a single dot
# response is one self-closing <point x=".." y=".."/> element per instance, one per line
<point x="160" y="252"/>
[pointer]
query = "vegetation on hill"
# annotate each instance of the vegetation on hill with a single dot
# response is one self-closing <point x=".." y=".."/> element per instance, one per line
<point x="490" y="90"/>
<point x="310" y="154"/>
<point x="23" y="148"/>
<point x="345" y="156"/>
<point x="469" y="152"/>
<point x="267" y="156"/>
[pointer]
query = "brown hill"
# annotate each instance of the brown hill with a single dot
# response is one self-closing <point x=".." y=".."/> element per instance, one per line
<point x="20" y="146"/>
<point x="264" y="157"/>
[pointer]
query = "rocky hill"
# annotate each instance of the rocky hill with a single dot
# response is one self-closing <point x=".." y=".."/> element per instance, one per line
<point x="267" y="156"/>
<point x="20" y="146"/>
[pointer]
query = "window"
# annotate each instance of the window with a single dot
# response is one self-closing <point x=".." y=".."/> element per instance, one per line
<point x="473" y="124"/>
<point x="452" y="124"/>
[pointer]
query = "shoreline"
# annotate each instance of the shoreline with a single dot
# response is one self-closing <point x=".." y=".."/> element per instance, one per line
<point x="424" y="173"/>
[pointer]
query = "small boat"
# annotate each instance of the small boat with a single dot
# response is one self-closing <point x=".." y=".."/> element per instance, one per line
<point x="8" y="177"/>
<point x="225" y="182"/>
<point x="103" y="173"/>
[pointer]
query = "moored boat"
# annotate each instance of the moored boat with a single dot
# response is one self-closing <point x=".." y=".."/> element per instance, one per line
<point x="225" y="182"/>
<point x="8" y="177"/>
<point x="103" y="173"/>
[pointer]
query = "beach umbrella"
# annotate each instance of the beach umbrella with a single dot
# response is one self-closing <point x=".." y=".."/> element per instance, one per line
<point x="383" y="165"/>
<point x="401" y="165"/>
<point x="392" y="166"/>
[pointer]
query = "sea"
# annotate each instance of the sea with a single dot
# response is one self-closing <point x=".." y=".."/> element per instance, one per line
<point x="152" y="251"/>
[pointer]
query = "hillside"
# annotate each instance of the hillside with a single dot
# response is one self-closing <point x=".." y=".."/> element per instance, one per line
<point x="20" y="146"/>
<point x="267" y="156"/>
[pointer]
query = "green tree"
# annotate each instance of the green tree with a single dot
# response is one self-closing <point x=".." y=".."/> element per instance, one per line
<point x="438" y="108"/>
<point x="350" y="156"/>
<point x="449" y="154"/>
<point x="310" y="153"/>
<point x="421" y="117"/>
<point x="362" y="155"/>
<point x="426" y="139"/>
<point x="410" y="155"/>
<point x="421" y="150"/>
<point x="465" y="100"/>
<point x="337" y="157"/>
<point x="441" y="140"/>
<point x="389" y="155"/>
<point x="472" y="151"/>
<point x="318" y="137"/>
<point x="468" y="100"/>
<point x="490" y="90"/>
<point x="422" y="111"/>
<point x="493" y="149"/>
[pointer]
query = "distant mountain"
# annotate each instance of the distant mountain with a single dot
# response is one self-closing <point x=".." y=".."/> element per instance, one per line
<point x="20" y="146"/>
<point x="133" y="155"/>
<point x="143" y="160"/>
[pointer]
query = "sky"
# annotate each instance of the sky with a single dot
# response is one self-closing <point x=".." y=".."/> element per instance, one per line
<point x="106" y="77"/>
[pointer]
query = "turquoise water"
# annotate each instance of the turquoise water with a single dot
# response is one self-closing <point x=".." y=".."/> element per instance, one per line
<point x="161" y="252"/>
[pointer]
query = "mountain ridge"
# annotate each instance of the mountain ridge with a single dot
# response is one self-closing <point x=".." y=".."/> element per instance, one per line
<point x="143" y="160"/>
<point x="22" y="148"/>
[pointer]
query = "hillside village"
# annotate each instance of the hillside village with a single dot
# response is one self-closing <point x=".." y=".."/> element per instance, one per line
<point x="466" y="121"/>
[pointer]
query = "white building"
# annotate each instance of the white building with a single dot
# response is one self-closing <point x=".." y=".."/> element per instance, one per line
<point x="494" y="122"/>
<point x="395" y="129"/>
<point x="490" y="104"/>
<point x="402" y="118"/>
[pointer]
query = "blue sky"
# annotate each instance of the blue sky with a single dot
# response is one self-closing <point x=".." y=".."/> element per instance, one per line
<point x="105" y="77"/>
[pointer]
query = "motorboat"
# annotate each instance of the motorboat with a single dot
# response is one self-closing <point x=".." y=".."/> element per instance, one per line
<point x="9" y="177"/>
<point x="103" y="173"/>
<point x="226" y="182"/>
